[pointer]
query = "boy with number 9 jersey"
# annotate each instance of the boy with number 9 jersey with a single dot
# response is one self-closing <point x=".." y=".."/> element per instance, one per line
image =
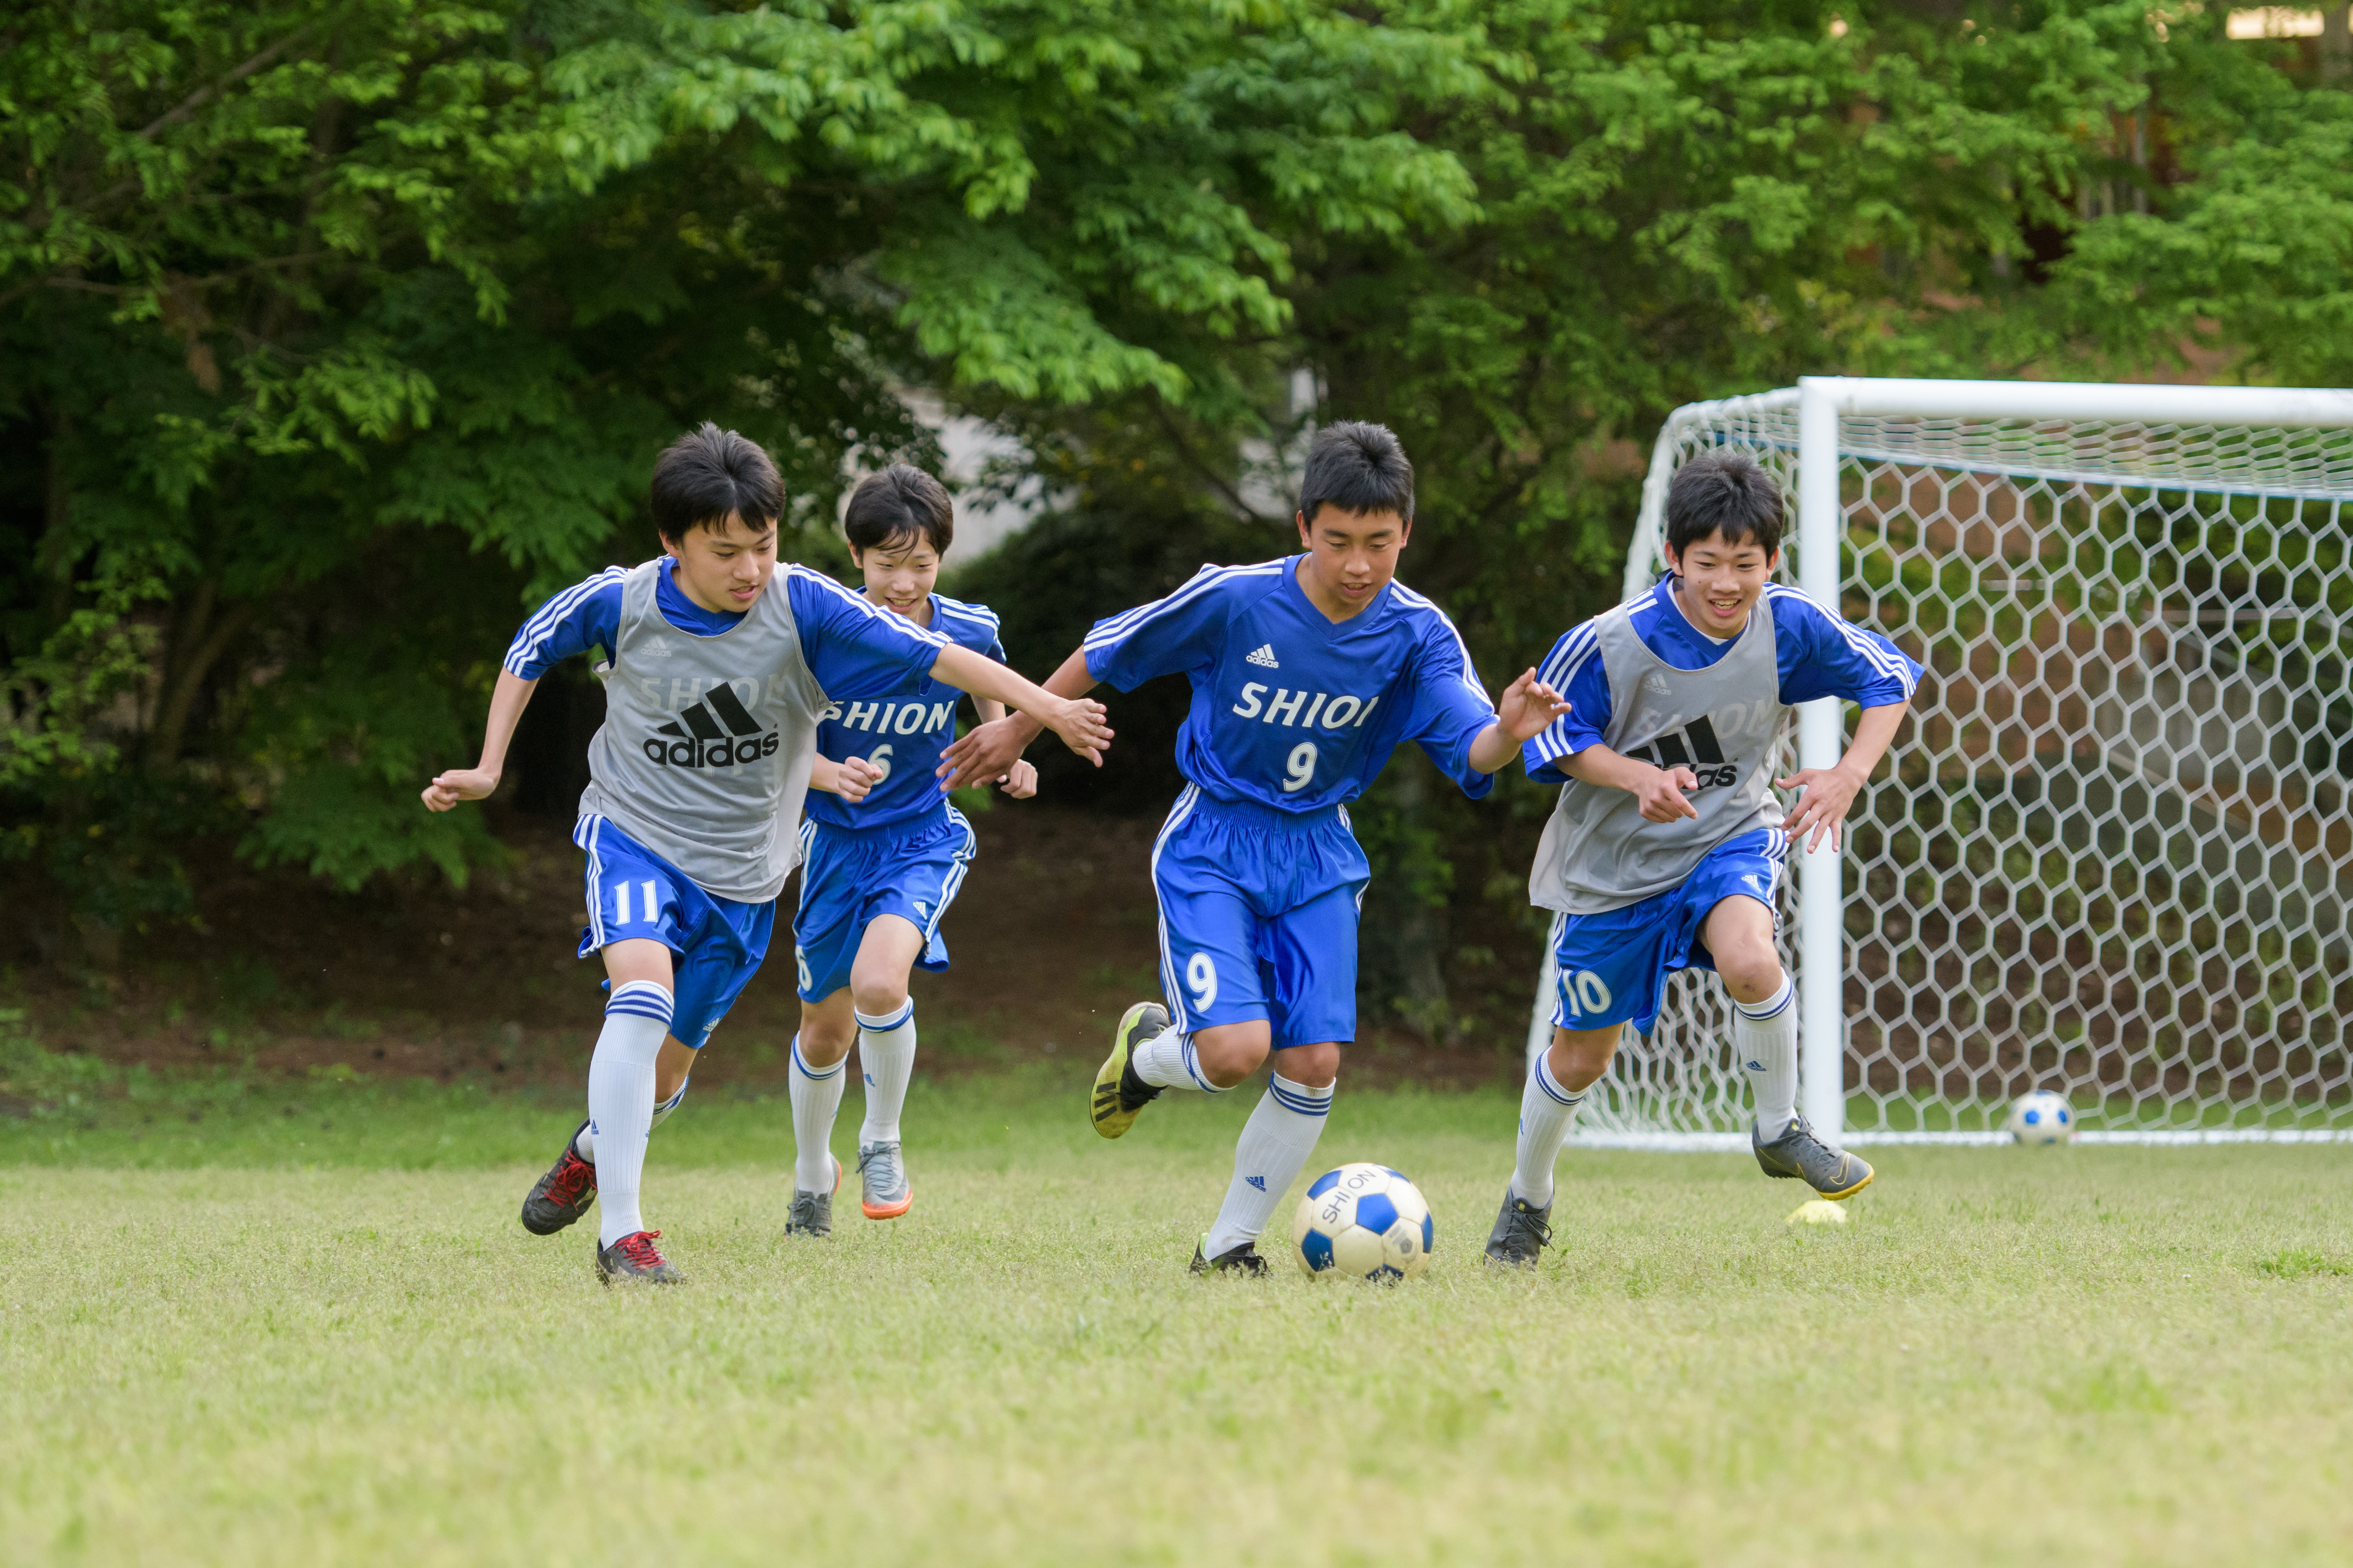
<point x="878" y="874"/>
<point x="1666" y="849"/>
<point x="696" y="778"/>
<point x="1307" y="673"/>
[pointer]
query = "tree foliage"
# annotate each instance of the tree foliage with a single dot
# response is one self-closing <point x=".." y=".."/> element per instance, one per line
<point x="336" y="331"/>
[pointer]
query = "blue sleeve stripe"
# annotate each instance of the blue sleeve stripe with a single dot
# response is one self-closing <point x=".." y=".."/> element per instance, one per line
<point x="867" y="606"/>
<point x="530" y="642"/>
<point x="1569" y="656"/>
<point x="1466" y="672"/>
<point x="979" y="615"/>
<point x="1881" y="655"/>
<point x="1206" y="578"/>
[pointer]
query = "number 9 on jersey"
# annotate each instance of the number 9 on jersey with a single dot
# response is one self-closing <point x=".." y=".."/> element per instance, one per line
<point x="1300" y="771"/>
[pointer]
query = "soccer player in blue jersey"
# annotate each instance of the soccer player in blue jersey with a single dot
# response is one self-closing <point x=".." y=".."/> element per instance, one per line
<point x="1307" y="672"/>
<point x="1666" y="849"/>
<point x="878" y="873"/>
<point x="715" y="689"/>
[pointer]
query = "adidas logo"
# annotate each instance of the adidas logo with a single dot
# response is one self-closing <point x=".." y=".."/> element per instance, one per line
<point x="1263" y="657"/>
<point x="716" y="732"/>
<point x="1756" y="1067"/>
<point x="1257" y="1181"/>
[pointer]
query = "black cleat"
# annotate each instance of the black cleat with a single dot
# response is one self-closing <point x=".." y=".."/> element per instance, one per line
<point x="563" y="1194"/>
<point x="1243" y="1260"/>
<point x="1521" y="1233"/>
<point x="1120" y="1095"/>
<point x="634" y="1261"/>
<point x="1833" y="1172"/>
<point x="812" y="1212"/>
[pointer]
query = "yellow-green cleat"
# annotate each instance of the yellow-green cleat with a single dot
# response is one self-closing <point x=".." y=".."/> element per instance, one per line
<point x="1120" y="1095"/>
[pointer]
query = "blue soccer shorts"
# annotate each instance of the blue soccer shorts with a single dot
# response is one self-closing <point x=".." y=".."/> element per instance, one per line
<point x="1614" y="966"/>
<point x="716" y="944"/>
<point x="851" y="875"/>
<point x="1258" y="918"/>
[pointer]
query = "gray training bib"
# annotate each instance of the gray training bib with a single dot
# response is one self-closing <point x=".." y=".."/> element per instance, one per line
<point x="705" y="751"/>
<point x="1723" y="723"/>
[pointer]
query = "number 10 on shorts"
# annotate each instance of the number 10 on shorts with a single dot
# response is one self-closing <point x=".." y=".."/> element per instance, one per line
<point x="1583" y="993"/>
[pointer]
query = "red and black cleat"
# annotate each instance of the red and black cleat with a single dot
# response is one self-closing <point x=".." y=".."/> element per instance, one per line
<point x="633" y="1259"/>
<point x="562" y="1195"/>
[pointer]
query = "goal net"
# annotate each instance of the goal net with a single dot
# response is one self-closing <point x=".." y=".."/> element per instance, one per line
<point x="2111" y="853"/>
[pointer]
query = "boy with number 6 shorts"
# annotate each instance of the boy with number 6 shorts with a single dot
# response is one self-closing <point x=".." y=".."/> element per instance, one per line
<point x="878" y="874"/>
<point x="689" y="821"/>
<point x="1666" y="849"/>
<point x="1307" y="672"/>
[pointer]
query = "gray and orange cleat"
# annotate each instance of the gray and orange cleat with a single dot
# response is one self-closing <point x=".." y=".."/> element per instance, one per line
<point x="565" y="1193"/>
<point x="1833" y="1172"/>
<point x="882" y="1179"/>
<point x="1120" y="1095"/>
<point x="635" y="1260"/>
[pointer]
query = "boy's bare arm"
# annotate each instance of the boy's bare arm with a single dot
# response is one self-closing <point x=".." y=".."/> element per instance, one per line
<point x="850" y="778"/>
<point x="1660" y="790"/>
<point x="1829" y="791"/>
<point x="508" y="700"/>
<point x="990" y="751"/>
<point x="1078" y="722"/>
<point x="1020" y="779"/>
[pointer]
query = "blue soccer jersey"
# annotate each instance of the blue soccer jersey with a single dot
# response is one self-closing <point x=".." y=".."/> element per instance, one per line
<point x="1816" y="655"/>
<point x="1290" y="710"/>
<point x="854" y="648"/>
<point x="903" y="731"/>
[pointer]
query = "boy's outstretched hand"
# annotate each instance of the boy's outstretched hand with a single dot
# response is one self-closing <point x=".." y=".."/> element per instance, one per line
<point x="1081" y="723"/>
<point x="1822" y="808"/>
<point x="1527" y="706"/>
<point x="458" y="783"/>
<point x="985" y="753"/>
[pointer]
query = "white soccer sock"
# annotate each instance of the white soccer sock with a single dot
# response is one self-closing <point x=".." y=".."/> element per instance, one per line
<point x="1546" y="1113"/>
<point x="584" y="1143"/>
<point x="621" y="1101"/>
<point x="1275" y="1143"/>
<point x="1168" y="1060"/>
<point x="1766" y="1034"/>
<point x="817" y="1097"/>
<point x="886" y="1055"/>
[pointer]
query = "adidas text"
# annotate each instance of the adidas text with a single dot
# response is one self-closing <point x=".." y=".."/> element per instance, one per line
<point x="727" y="751"/>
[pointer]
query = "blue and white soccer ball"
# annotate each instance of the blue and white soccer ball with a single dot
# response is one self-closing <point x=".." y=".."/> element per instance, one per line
<point x="1364" y="1221"/>
<point x="2042" y="1117"/>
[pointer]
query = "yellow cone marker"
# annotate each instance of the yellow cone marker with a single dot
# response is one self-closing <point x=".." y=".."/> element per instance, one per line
<point x="1820" y="1211"/>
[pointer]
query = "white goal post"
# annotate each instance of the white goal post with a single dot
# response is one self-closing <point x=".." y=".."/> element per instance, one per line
<point x="2112" y="852"/>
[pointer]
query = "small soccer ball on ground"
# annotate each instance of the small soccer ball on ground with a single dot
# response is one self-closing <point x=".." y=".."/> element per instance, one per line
<point x="1364" y="1221"/>
<point x="2042" y="1117"/>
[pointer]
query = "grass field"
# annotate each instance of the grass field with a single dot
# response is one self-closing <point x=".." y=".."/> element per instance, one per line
<point x="306" y="1329"/>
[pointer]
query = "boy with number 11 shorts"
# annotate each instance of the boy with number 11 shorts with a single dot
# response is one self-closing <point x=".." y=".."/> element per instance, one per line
<point x="696" y="778"/>
<point x="1666" y="849"/>
<point x="1307" y="673"/>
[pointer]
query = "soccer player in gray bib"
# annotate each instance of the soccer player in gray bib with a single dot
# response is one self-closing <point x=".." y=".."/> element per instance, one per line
<point x="691" y="821"/>
<point x="1667" y="847"/>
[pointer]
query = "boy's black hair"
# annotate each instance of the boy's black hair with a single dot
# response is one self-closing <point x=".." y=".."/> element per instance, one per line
<point x="1726" y="493"/>
<point x="701" y="477"/>
<point x="1358" y="467"/>
<point x="899" y="503"/>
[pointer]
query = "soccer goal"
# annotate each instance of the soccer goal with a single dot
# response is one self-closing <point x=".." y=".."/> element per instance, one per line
<point x="2112" y="852"/>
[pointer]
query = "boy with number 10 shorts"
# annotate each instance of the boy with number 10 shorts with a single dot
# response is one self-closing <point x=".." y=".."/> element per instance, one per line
<point x="696" y="778"/>
<point x="1306" y="673"/>
<point x="1666" y="849"/>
